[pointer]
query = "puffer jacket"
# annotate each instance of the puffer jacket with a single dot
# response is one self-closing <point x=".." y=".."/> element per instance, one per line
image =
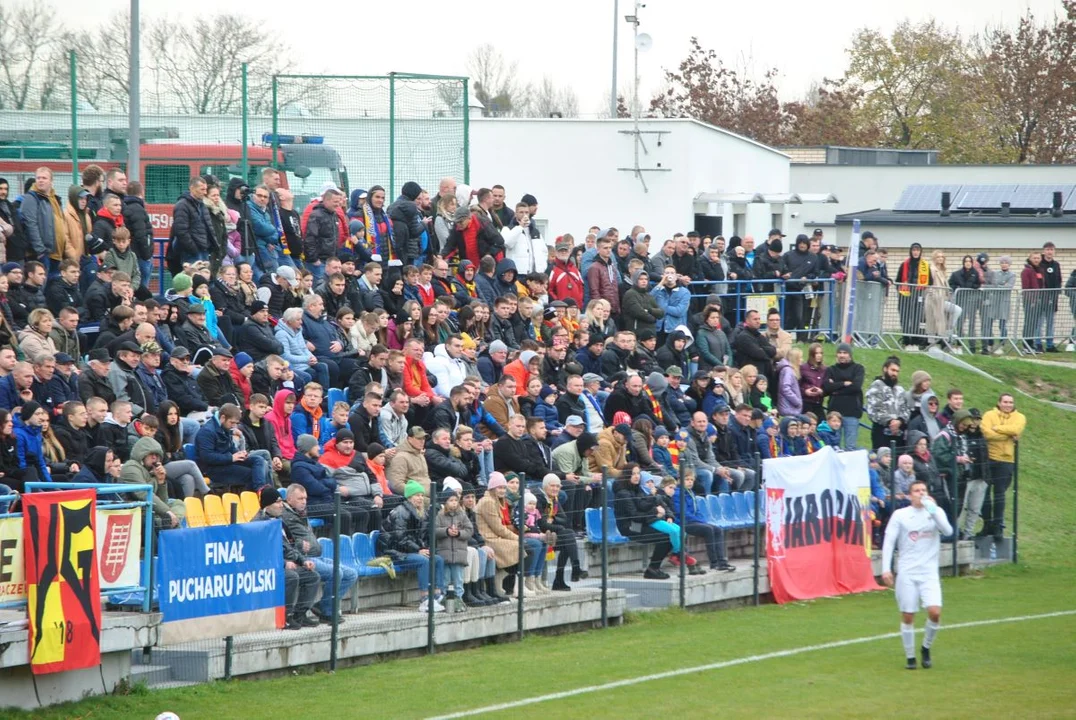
<point x="136" y="219"/>
<point x="322" y="232"/>
<point x="639" y="309"/>
<point x="319" y="484"/>
<point x="192" y="231"/>
<point x="453" y="549"/>
<point x="407" y="223"/>
<point x="28" y="446"/>
<point x="295" y="350"/>
<point x="404" y="532"/>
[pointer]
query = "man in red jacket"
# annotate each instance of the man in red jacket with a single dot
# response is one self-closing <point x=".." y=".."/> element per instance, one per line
<point x="565" y="280"/>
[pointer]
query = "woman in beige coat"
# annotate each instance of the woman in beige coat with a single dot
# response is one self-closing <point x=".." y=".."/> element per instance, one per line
<point x="490" y="514"/>
<point x="79" y="222"/>
<point x="35" y="340"/>
<point x="941" y="313"/>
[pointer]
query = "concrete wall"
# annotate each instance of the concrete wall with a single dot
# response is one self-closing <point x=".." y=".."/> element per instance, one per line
<point x="873" y="188"/>
<point x="572" y="167"/>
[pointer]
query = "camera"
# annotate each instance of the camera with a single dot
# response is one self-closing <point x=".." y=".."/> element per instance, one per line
<point x="244" y="192"/>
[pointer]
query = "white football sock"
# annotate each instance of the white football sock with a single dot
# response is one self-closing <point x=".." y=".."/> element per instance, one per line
<point x="931" y="631"/>
<point x="907" y="636"/>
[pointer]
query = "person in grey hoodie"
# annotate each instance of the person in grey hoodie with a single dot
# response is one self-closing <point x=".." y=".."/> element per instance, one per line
<point x="997" y="294"/>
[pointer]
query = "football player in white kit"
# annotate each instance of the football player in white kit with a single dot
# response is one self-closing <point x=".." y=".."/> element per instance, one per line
<point x="916" y="531"/>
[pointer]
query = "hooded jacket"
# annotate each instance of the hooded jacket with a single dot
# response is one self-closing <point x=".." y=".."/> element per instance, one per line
<point x="315" y="477"/>
<point x="639" y="309"/>
<point x="405" y="532"/>
<point x="39" y="214"/>
<point x="923" y="421"/>
<point x="449" y="371"/>
<point x="789" y="400"/>
<point x="407" y="224"/>
<point x="797" y="263"/>
<point x="28" y="445"/>
<point x="845" y="399"/>
<point x="321" y="235"/>
<point x="501" y="284"/>
<point x="136" y="473"/>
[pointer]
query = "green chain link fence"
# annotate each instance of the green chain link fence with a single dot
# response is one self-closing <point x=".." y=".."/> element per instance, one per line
<point x="372" y="130"/>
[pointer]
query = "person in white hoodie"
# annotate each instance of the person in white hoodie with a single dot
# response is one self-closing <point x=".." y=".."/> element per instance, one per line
<point x="524" y="244"/>
<point x="447" y="364"/>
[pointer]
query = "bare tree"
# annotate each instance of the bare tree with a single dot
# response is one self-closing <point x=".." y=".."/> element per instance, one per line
<point x="546" y="99"/>
<point x="494" y="80"/>
<point x="200" y="64"/>
<point x="28" y="34"/>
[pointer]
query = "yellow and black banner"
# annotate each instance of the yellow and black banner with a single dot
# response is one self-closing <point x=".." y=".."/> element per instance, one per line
<point x="63" y="589"/>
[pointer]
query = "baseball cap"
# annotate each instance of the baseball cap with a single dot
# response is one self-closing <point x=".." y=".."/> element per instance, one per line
<point x="674" y="371"/>
<point x="592" y="377"/>
<point x="151" y="347"/>
<point x="218" y="351"/>
<point x="777" y="232"/>
<point x="180" y="353"/>
<point x="64" y="359"/>
<point x="817" y="232"/>
<point x="416" y="431"/>
<point x="574" y="420"/>
<point x="288" y="274"/>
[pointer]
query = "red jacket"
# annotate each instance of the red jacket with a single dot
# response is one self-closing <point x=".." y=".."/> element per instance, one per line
<point x="1032" y="278"/>
<point x="601" y="286"/>
<point x="415" y="382"/>
<point x="331" y="457"/>
<point x="566" y="282"/>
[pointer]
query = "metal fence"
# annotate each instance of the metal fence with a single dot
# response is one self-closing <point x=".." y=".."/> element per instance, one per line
<point x="987" y="320"/>
<point x="378" y="602"/>
<point x="807" y="310"/>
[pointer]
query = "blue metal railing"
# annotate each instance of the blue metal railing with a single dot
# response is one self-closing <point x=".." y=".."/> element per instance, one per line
<point x="734" y="303"/>
<point x="106" y="489"/>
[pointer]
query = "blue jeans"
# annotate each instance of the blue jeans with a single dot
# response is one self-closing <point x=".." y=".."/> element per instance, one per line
<point x="324" y="569"/>
<point x="145" y="269"/>
<point x="671" y="529"/>
<point x="535" y="550"/>
<point x="849" y="432"/>
<point x="188" y="428"/>
<point x="455" y="577"/>
<point x="1050" y="314"/>
<point x="420" y="563"/>
<point x="485" y="466"/>
<point x="262" y="472"/>
<point x="704" y="478"/>
<point x="317" y="270"/>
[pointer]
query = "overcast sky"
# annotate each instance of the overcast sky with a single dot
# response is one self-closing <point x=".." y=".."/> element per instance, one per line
<point x="571" y="40"/>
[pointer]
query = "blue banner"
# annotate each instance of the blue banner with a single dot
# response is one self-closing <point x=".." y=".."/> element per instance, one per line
<point x="220" y="570"/>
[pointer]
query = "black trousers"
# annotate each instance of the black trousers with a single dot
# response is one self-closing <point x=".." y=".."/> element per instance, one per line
<point x="567" y="549"/>
<point x="1000" y="478"/>
<point x="714" y="537"/>
<point x="300" y="590"/>
<point x="578" y="498"/>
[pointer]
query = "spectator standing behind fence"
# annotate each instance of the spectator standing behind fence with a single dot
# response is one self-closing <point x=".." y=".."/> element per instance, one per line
<point x="965" y="283"/>
<point x="1002" y="426"/>
<point x="842" y="383"/>
<point x="913" y="277"/>
<point x="1052" y="283"/>
<point x="1033" y="283"/>
<point x="997" y="296"/>
<point x="942" y="314"/>
<point x="885" y="404"/>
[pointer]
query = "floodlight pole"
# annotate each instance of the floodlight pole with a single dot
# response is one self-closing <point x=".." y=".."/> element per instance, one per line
<point x="134" y="105"/>
<point x="612" y="94"/>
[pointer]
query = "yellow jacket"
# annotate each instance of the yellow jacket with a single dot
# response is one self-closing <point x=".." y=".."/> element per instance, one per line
<point x="1000" y="430"/>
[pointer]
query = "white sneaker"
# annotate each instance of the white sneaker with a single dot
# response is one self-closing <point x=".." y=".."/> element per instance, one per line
<point x="424" y="606"/>
<point x="1071" y="347"/>
<point x="999" y="351"/>
<point x="958" y="351"/>
<point x="911" y="348"/>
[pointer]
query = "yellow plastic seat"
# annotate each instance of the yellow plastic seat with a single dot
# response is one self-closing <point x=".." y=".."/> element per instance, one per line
<point x="214" y="510"/>
<point x="249" y="501"/>
<point x="195" y="514"/>
<point x="229" y="500"/>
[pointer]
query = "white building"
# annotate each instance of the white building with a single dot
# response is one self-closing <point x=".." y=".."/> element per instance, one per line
<point x="697" y="176"/>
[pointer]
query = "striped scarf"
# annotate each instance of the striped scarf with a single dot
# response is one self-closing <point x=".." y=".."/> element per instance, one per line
<point x="375" y="240"/>
<point x="655" y="405"/>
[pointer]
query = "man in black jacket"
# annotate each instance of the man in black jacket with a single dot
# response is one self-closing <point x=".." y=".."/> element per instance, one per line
<point x="571" y="401"/>
<point x="322" y="233"/>
<point x="181" y="386"/>
<point x="364" y="422"/>
<point x="224" y="291"/>
<point x="193" y="334"/>
<point x="511" y="454"/>
<point x="768" y="265"/>
<point x="136" y="219"/>
<point x="99" y="298"/>
<point x="256" y="336"/>
<point x="269" y="376"/>
<point x="93" y="382"/>
<point x="842" y="383"/>
<point x="372" y="369"/>
<point x="798" y="266"/>
<point x="441" y="462"/>
<point x="192" y="230"/>
<point x="63" y="291"/>
<point x="216" y="381"/>
<point x="751" y="347"/>
<point x="71" y="431"/>
<point x="628" y="397"/>
<point x="407" y="223"/>
<point x="615" y="357"/>
<point x="450" y="415"/>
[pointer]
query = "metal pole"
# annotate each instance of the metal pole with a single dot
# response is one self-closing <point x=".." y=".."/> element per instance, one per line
<point x="522" y="520"/>
<point x="232" y="520"/>
<point x="466" y="132"/>
<point x="431" y="575"/>
<point x="758" y="480"/>
<point x="73" y="62"/>
<point x="134" y="99"/>
<point x="392" y="139"/>
<point x="147" y="566"/>
<point x="683" y="538"/>
<point x="336" y="548"/>
<point x="1015" y="496"/>
<point x="605" y="546"/>
<point x="956" y="517"/>
<point x="892" y="475"/>
<point x="276" y="126"/>
<point x="612" y="95"/>
<point x="246" y="111"/>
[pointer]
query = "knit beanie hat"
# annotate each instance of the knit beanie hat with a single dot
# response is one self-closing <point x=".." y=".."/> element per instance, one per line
<point x="453" y="485"/>
<point x="243" y="359"/>
<point x="904" y="457"/>
<point x="546" y="391"/>
<point x="181" y="282"/>
<point x="344" y="434"/>
<point x="496" y="480"/>
<point x="844" y="347"/>
<point x="29" y="408"/>
<point x="267" y="496"/>
<point x="305" y="443"/>
<point x="374" y="449"/>
<point x="498" y="346"/>
<point x="413" y="487"/>
<point x="528" y="498"/>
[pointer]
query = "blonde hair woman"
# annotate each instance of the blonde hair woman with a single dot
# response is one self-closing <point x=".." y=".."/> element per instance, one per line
<point x="942" y="314"/>
<point x="35" y="340"/>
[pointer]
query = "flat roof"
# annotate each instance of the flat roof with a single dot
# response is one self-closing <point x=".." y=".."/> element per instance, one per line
<point x="963" y="219"/>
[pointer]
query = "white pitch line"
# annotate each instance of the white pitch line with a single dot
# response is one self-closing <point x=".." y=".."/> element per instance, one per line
<point x="730" y="663"/>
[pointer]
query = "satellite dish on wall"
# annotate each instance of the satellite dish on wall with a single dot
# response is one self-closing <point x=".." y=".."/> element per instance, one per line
<point x="644" y="42"/>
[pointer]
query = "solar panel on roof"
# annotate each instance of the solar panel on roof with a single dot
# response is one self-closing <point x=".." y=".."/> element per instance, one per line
<point x="1070" y="204"/>
<point x="983" y="197"/>
<point x="1039" y="197"/>
<point x="924" y="198"/>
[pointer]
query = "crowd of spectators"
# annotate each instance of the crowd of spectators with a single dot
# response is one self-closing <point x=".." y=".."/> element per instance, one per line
<point x="473" y="366"/>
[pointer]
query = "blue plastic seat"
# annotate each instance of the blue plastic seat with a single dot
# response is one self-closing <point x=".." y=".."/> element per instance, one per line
<point x="189" y="452"/>
<point x="336" y="395"/>
<point x="326" y="548"/>
<point x="739" y="501"/>
<point x="316" y="522"/>
<point x="762" y="505"/>
<point x="749" y="499"/>
<point x="347" y="551"/>
<point x="728" y="511"/>
<point x="283" y="493"/>
<point x="594" y="521"/>
<point x="363" y="550"/>
<point x="373" y="542"/>
<point x="703" y="505"/>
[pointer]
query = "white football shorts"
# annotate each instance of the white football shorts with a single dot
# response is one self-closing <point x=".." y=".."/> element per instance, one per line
<point x="916" y="593"/>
